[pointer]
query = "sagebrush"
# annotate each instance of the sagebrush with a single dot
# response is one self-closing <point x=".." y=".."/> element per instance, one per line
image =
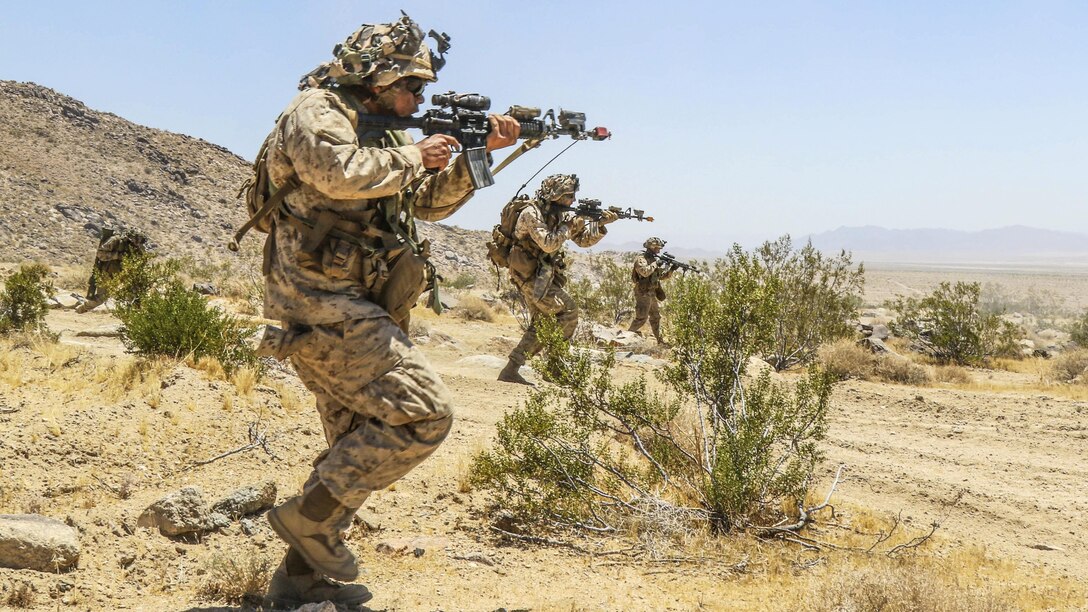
<point x="161" y="316"/>
<point x="597" y="453"/>
<point x="24" y="300"/>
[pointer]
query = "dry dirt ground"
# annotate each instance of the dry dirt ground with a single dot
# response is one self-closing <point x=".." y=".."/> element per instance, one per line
<point x="91" y="437"/>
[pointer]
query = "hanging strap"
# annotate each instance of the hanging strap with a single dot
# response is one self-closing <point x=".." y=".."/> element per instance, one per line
<point x="271" y="204"/>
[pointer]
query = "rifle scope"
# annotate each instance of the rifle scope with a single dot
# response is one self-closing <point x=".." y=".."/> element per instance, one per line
<point x="474" y="102"/>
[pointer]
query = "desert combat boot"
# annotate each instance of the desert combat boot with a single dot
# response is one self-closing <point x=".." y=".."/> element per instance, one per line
<point x="512" y="374"/>
<point x="290" y="592"/>
<point x="317" y="541"/>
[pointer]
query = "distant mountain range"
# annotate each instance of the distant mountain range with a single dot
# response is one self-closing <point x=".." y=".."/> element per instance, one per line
<point x="1016" y="243"/>
<point x="1013" y="244"/>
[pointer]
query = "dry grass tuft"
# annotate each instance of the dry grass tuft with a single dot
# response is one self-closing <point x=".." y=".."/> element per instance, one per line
<point x="906" y="585"/>
<point x="245" y="379"/>
<point x="845" y="359"/>
<point x="473" y="308"/>
<point x="954" y="374"/>
<point x="210" y="366"/>
<point x="236" y="579"/>
<point x="21" y="596"/>
<point x="1069" y="365"/>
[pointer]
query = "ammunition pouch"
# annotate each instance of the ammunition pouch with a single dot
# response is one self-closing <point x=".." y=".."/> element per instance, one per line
<point x="523" y="264"/>
<point x="406" y="281"/>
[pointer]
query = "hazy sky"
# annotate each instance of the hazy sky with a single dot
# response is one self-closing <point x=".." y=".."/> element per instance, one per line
<point x="731" y="120"/>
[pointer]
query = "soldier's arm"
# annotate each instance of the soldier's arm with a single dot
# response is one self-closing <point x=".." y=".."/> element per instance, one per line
<point x="443" y="193"/>
<point x="320" y="141"/>
<point x="531" y="224"/>
<point x="589" y="234"/>
<point x="644" y="267"/>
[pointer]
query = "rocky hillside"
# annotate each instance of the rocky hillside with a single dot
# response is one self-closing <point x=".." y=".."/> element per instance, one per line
<point x="66" y="170"/>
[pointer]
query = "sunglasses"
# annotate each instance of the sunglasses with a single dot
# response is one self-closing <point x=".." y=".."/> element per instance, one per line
<point x="413" y="85"/>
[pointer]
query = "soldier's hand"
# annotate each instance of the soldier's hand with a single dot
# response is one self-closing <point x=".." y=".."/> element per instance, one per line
<point x="608" y="216"/>
<point x="577" y="224"/>
<point x="436" y="150"/>
<point x="504" y="131"/>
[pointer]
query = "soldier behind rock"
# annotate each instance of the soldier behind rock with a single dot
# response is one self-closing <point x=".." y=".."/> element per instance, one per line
<point x="113" y="246"/>
<point x="536" y="260"/>
<point x="647" y="274"/>
<point x="343" y="265"/>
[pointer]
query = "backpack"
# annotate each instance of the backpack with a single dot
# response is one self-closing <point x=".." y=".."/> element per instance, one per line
<point x="502" y="235"/>
<point x="259" y="198"/>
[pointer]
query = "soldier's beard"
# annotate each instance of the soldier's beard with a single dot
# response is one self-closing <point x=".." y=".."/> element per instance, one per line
<point x="385" y="102"/>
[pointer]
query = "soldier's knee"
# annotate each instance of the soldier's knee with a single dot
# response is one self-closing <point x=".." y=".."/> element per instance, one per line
<point x="432" y="433"/>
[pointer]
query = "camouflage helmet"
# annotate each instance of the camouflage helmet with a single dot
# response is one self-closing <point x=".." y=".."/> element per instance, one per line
<point x="652" y="242"/>
<point x="557" y="186"/>
<point x="379" y="55"/>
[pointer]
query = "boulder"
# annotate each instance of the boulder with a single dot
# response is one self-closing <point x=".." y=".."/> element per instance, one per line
<point x="609" y="336"/>
<point x="205" y="289"/>
<point x="247" y="500"/>
<point x="39" y="543"/>
<point x="874" y="345"/>
<point x="182" y="513"/>
<point x="64" y="299"/>
<point x="880" y="332"/>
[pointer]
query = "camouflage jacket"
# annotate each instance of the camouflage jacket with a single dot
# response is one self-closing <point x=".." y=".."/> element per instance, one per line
<point x="374" y="182"/>
<point x="543" y="234"/>
<point x="648" y="272"/>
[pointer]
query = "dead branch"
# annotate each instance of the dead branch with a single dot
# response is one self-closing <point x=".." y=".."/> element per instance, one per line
<point x="915" y="542"/>
<point x="539" y="540"/>
<point x="257" y="439"/>
<point x="884" y="537"/>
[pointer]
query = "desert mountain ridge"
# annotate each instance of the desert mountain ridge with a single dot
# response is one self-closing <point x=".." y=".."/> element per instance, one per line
<point x="67" y="170"/>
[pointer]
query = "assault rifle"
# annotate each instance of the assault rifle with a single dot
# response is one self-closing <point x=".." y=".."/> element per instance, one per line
<point x="675" y="263"/>
<point x="592" y="209"/>
<point x="464" y="116"/>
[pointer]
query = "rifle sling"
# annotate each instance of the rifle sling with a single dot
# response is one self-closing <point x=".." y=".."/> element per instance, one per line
<point x="271" y="204"/>
<point x="530" y="144"/>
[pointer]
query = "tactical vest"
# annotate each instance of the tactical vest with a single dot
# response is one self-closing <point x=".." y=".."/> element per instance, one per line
<point x="378" y="247"/>
<point x="521" y="256"/>
<point x="644" y="284"/>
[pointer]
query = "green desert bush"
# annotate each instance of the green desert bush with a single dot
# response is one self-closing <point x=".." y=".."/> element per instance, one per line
<point x="593" y="452"/>
<point x="816" y="298"/>
<point x="950" y="324"/>
<point x="610" y="297"/>
<point x="161" y="316"/>
<point x="23" y="302"/>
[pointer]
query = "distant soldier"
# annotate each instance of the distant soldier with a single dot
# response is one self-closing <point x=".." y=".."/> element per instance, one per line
<point x="647" y="274"/>
<point x="531" y="236"/>
<point x="113" y="247"/>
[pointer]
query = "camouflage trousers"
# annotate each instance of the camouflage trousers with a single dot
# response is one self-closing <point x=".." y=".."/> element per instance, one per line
<point x="647" y="307"/>
<point x="383" y="408"/>
<point x="544" y="297"/>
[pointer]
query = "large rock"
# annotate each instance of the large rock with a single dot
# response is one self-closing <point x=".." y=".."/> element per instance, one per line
<point x="609" y="336"/>
<point x="30" y="541"/>
<point x="247" y="500"/>
<point x="64" y="299"/>
<point x="880" y="332"/>
<point x="182" y="513"/>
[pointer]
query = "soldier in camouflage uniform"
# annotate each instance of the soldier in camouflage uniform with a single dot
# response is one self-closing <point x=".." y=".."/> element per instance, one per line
<point x="113" y="246"/>
<point x="343" y="265"/>
<point x="536" y="260"/>
<point x="647" y="274"/>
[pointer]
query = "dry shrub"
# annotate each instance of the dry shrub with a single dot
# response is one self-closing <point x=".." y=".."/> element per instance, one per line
<point x="473" y="308"/>
<point x="845" y="359"/>
<point x="1069" y="365"/>
<point x="235" y="579"/>
<point x="20" y="596"/>
<point x="951" y="374"/>
<point x="903" y="586"/>
<point x="418" y="329"/>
